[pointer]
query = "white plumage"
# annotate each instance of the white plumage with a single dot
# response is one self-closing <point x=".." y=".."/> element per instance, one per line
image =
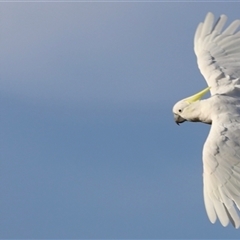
<point x="218" y="58"/>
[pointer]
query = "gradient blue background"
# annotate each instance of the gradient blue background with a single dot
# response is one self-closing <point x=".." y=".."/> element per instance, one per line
<point x="89" y="148"/>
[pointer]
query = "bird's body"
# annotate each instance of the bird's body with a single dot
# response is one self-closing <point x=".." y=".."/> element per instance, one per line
<point x="218" y="57"/>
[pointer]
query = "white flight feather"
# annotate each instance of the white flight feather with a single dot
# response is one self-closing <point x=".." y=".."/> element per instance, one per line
<point x="218" y="53"/>
<point x="221" y="160"/>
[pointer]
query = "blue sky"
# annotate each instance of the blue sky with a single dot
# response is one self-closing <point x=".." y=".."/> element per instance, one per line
<point x="89" y="148"/>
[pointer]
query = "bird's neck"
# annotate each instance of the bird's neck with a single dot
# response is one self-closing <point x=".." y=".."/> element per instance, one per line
<point x="199" y="112"/>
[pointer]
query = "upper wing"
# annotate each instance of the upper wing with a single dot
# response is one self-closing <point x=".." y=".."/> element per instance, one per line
<point x="218" y="53"/>
<point x="221" y="163"/>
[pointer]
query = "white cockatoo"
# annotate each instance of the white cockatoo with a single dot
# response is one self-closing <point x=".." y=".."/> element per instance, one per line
<point x="218" y="58"/>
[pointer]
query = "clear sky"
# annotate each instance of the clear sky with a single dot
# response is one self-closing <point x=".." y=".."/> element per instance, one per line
<point x="89" y="148"/>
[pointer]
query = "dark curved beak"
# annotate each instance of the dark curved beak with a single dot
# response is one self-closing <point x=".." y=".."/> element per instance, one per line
<point x="178" y="119"/>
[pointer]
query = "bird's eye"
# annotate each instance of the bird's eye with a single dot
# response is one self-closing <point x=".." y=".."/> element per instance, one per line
<point x="180" y="110"/>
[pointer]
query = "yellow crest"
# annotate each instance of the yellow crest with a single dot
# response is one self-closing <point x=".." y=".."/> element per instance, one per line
<point x="197" y="96"/>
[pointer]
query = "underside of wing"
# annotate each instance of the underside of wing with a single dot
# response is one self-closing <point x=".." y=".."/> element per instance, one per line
<point x="221" y="177"/>
<point x="218" y="53"/>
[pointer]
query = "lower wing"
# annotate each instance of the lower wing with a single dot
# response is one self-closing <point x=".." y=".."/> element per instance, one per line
<point x="221" y="177"/>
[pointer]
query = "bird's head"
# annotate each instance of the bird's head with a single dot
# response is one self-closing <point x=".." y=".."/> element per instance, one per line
<point x="182" y="109"/>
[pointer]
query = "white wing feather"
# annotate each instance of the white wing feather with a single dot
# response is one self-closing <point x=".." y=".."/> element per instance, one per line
<point x="221" y="177"/>
<point x="218" y="53"/>
<point x="218" y="57"/>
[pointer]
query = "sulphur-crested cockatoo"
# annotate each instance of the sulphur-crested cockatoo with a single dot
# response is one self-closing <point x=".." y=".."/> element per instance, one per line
<point x="218" y="58"/>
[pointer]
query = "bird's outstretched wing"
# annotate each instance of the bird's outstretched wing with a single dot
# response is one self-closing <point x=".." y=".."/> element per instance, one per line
<point x="221" y="163"/>
<point x="218" y="53"/>
<point x="218" y="57"/>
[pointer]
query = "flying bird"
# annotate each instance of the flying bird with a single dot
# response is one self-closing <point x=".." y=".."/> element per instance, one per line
<point x="218" y="58"/>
